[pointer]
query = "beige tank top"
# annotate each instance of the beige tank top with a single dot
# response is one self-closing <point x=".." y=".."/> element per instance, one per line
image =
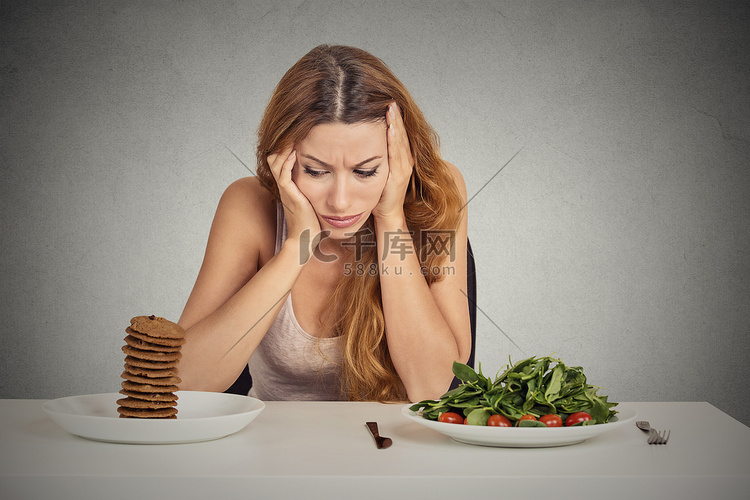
<point x="289" y="363"/>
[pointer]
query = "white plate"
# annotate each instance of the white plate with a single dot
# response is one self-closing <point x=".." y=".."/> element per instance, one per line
<point x="522" y="437"/>
<point x="201" y="416"/>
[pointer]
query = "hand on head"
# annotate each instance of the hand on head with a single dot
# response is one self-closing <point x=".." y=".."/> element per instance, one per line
<point x="401" y="165"/>
<point x="302" y="221"/>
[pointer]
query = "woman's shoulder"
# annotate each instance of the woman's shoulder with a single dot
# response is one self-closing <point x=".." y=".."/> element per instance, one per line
<point x="248" y="209"/>
<point x="458" y="178"/>
<point x="249" y="189"/>
<point x="248" y="195"/>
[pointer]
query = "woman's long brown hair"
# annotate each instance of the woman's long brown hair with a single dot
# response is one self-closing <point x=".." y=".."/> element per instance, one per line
<point x="339" y="84"/>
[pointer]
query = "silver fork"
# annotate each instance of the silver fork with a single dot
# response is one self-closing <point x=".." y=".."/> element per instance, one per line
<point x="660" y="438"/>
<point x="653" y="436"/>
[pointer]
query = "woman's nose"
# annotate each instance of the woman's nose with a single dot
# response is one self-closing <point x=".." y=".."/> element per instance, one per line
<point x="339" y="197"/>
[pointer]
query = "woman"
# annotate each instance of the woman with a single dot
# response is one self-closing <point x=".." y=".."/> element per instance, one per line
<point x="320" y="271"/>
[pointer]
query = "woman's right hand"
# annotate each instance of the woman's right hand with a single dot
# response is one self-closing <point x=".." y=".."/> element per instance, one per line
<point x="302" y="221"/>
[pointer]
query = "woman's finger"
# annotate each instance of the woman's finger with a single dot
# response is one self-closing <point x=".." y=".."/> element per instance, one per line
<point x="399" y="152"/>
<point x="281" y="165"/>
<point x="288" y="165"/>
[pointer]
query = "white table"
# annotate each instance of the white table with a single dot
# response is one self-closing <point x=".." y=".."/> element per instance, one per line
<point x="323" y="450"/>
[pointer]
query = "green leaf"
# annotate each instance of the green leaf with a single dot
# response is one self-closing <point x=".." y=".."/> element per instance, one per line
<point x="531" y="423"/>
<point x="511" y="411"/>
<point x="600" y="407"/>
<point x="478" y="417"/>
<point x="465" y="372"/>
<point x="514" y="369"/>
<point x="465" y="404"/>
<point x="555" y="383"/>
<point x="422" y="404"/>
<point x="454" y="392"/>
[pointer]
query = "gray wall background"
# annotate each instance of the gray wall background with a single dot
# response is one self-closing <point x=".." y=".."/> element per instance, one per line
<point x="617" y="238"/>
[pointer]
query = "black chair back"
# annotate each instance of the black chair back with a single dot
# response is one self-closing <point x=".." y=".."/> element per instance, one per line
<point x="471" y="295"/>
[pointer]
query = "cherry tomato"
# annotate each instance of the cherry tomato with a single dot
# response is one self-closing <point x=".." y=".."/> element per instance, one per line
<point x="577" y="418"/>
<point x="451" y="418"/>
<point x="498" y="421"/>
<point x="525" y="417"/>
<point x="551" y="420"/>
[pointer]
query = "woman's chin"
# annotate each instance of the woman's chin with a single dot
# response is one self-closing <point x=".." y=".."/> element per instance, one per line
<point x="341" y="234"/>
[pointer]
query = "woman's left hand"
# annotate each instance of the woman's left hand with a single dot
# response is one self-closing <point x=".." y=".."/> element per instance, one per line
<point x="401" y="165"/>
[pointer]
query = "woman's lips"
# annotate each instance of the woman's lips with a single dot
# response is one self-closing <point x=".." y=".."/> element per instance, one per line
<point x="345" y="221"/>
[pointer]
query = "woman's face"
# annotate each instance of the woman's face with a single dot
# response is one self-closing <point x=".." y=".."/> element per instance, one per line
<point x="342" y="169"/>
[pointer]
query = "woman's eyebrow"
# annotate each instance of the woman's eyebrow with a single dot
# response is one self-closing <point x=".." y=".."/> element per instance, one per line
<point x="362" y="163"/>
<point x="311" y="157"/>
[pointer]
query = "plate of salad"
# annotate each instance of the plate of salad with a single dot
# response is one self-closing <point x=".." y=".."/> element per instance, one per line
<point x="536" y="402"/>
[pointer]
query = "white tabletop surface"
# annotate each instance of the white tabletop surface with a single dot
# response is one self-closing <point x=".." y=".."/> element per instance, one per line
<point x="323" y="450"/>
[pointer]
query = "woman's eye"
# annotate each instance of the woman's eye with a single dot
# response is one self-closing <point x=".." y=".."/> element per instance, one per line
<point x="366" y="173"/>
<point x="314" y="173"/>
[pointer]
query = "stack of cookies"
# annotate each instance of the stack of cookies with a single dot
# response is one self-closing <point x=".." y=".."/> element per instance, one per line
<point x="152" y="352"/>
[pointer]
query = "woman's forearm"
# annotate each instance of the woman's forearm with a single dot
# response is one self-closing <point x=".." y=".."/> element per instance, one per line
<point x="218" y="346"/>
<point x="421" y="343"/>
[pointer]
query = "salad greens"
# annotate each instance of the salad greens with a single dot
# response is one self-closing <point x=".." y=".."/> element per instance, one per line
<point x="533" y="386"/>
